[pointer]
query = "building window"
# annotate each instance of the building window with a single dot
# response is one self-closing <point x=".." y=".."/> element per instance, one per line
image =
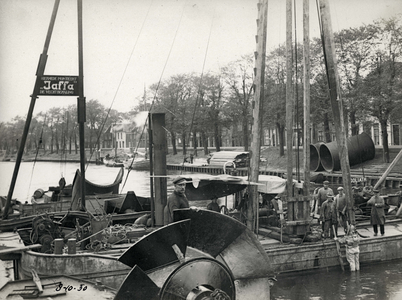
<point x="395" y="134"/>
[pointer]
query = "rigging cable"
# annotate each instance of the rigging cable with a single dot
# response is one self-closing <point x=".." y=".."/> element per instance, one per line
<point x="199" y="86"/>
<point x="120" y="82"/>
<point x="36" y="156"/>
<point x="323" y="45"/>
<point x="160" y="79"/>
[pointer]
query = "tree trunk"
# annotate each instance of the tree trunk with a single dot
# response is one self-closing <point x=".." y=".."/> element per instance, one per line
<point x="183" y="136"/>
<point x="327" y="131"/>
<point x="353" y="125"/>
<point x="384" y="135"/>
<point x="195" y="144"/>
<point x="281" y="136"/>
<point x="216" y="137"/>
<point x="204" y="142"/>
<point x="173" y="139"/>
<point x="69" y="144"/>
<point x="75" y="143"/>
<point x="245" y="132"/>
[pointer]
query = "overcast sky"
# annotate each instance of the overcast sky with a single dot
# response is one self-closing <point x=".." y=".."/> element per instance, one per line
<point x="129" y="44"/>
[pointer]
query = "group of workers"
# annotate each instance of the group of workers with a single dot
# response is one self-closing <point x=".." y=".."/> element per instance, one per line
<point x="333" y="210"/>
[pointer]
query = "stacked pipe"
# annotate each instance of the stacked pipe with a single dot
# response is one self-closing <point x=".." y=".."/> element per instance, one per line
<point x="360" y="149"/>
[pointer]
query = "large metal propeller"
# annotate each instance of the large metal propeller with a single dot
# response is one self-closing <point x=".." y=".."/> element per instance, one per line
<point x="202" y="255"/>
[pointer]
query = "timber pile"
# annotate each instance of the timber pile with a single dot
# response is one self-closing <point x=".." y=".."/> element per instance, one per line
<point x="275" y="233"/>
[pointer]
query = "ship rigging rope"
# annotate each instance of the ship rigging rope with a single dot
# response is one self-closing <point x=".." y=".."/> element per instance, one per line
<point x="36" y="156"/>
<point x="199" y="86"/>
<point x="157" y="87"/>
<point x="121" y="80"/>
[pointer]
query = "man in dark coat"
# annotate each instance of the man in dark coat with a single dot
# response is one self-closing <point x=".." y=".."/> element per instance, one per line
<point x="176" y="200"/>
<point x="377" y="212"/>
<point x="329" y="216"/>
<point x="322" y="196"/>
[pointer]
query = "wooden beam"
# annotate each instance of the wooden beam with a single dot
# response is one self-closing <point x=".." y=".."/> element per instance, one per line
<point x="289" y="98"/>
<point x="252" y="212"/>
<point x="388" y="170"/>
<point x="336" y="102"/>
<point x="306" y="96"/>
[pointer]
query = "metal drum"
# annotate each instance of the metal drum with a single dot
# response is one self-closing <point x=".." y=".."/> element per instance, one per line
<point x="360" y="149"/>
<point x="315" y="160"/>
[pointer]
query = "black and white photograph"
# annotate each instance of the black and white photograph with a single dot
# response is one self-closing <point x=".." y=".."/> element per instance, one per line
<point x="201" y="149"/>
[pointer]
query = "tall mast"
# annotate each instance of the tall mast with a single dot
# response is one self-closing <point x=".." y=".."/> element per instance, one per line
<point x="306" y="96"/>
<point x="289" y="99"/>
<point x="336" y="101"/>
<point x="261" y="39"/>
<point x="39" y="73"/>
<point x="81" y="101"/>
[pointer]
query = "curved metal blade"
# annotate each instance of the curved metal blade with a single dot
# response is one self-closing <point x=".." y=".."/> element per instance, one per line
<point x="210" y="232"/>
<point x="155" y="249"/>
<point x="137" y="286"/>
<point x="246" y="258"/>
<point x="218" y="234"/>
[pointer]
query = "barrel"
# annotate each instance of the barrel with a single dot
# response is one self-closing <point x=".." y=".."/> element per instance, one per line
<point x="315" y="161"/>
<point x="360" y="149"/>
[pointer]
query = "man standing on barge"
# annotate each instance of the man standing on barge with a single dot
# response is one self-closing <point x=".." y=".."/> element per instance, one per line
<point x="176" y="200"/>
<point x="341" y="206"/>
<point x="322" y="196"/>
<point x="377" y="212"/>
<point x="329" y="217"/>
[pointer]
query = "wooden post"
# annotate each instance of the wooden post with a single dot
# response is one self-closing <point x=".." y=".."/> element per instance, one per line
<point x="81" y="105"/>
<point x="151" y="171"/>
<point x="259" y="71"/>
<point x="159" y="156"/>
<point x="336" y="102"/>
<point x="306" y="96"/>
<point x="289" y="98"/>
<point x="39" y="73"/>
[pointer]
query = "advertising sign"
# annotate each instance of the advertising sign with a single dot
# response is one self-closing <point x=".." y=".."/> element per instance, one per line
<point x="58" y="85"/>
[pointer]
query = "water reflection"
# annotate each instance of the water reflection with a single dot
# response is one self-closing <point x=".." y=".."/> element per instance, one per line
<point x="374" y="281"/>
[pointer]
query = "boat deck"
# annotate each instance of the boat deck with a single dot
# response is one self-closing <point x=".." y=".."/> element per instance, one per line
<point x="288" y="257"/>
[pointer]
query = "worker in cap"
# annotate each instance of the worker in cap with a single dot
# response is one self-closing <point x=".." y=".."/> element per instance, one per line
<point x="377" y="216"/>
<point x="329" y="216"/>
<point x="341" y="206"/>
<point x="322" y="196"/>
<point x="176" y="200"/>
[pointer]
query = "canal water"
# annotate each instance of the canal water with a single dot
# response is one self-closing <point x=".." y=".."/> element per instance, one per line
<point x="377" y="281"/>
<point x="374" y="281"/>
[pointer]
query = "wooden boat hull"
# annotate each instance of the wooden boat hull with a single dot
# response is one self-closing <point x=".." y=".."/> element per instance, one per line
<point x="321" y="254"/>
<point x="90" y="266"/>
<point x="139" y="165"/>
<point x="112" y="163"/>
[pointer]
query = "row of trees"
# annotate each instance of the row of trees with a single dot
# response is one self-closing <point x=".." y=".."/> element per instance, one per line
<point x="369" y="65"/>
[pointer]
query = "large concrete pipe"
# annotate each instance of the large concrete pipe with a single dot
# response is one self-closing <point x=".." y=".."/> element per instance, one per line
<point x="360" y="148"/>
<point x="315" y="161"/>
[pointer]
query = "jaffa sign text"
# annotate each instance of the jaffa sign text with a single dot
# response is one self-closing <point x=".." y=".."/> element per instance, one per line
<point x="55" y="85"/>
